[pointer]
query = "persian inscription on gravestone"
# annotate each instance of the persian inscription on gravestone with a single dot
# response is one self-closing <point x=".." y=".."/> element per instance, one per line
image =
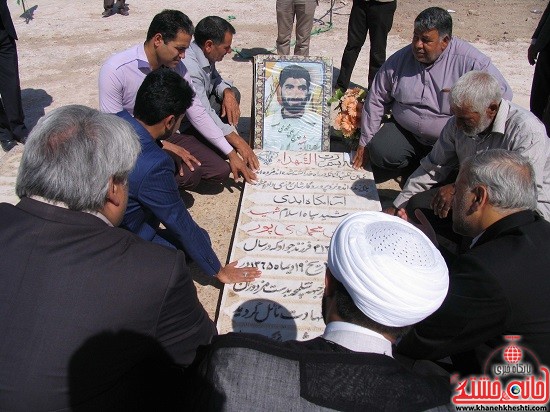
<point x="284" y="228"/>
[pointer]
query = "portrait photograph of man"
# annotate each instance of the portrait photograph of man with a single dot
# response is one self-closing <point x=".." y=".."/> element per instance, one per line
<point x="293" y="106"/>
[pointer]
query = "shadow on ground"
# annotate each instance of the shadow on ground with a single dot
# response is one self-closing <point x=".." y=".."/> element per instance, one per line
<point x="34" y="102"/>
<point x="243" y="55"/>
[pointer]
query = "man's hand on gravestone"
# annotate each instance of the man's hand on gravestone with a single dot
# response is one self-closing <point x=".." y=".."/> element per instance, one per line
<point x="244" y="150"/>
<point x="239" y="168"/>
<point x="361" y="157"/>
<point x="230" y="273"/>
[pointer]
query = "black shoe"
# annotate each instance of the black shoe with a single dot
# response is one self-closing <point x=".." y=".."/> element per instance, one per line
<point x="123" y="11"/>
<point x="108" y="12"/>
<point x="9" y="144"/>
<point x="22" y="140"/>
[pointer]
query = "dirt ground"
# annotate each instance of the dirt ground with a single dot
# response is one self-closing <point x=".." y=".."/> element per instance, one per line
<point x="62" y="48"/>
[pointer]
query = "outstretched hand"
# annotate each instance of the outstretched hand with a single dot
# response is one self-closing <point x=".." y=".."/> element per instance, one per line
<point x="423" y="223"/>
<point x="401" y="213"/>
<point x="249" y="156"/>
<point x="443" y="200"/>
<point x="239" y="168"/>
<point x="361" y="157"/>
<point x="230" y="273"/>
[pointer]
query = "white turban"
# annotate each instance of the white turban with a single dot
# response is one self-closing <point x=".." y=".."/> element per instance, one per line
<point x="392" y="271"/>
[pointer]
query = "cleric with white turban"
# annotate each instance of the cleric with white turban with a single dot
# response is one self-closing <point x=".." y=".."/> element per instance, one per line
<point x="391" y="270"/>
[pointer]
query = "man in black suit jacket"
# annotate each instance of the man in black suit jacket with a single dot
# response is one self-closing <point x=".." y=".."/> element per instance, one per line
<point x="12" y="118"/>
<point x="500" y="286"/>
<point x="87" y="310"/>
<point x="366" y="306"/>
<point x="539" y="53"/>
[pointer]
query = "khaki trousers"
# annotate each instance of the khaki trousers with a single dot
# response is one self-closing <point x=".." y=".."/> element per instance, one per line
<point x="288" y="10"/>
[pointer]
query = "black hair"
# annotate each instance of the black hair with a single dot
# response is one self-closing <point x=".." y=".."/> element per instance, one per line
<point x="434" y="18"/>
<point x="162" y="93"/>
<point x="294" y="72"/>
<point x="168" y="23"/>
<point x="212" y="28"/>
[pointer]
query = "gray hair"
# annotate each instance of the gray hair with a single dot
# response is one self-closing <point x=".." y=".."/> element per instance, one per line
<point x="434" y="18"/>
<point x="71" y="154"/>
<point x="477" y="89"/>
<point x="508" y="177"/>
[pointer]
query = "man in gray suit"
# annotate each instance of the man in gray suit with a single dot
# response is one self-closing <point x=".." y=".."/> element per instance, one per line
<point x="383" y="276"/>
<point x="87" y="310"/>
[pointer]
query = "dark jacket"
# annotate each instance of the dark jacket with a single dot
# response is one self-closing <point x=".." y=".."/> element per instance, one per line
<point x="249" y="372"/>
<point x="68" y="282"/>
<point x="499" y="287"/>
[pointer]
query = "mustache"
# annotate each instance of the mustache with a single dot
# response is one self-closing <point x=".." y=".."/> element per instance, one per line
<point x="295" y="99"/>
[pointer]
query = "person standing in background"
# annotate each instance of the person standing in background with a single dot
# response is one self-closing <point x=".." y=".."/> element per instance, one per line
<point x="288" y="10"/>
<point x="12" y="118"/>
<point x="121" y="8"/>
<point x="374" y="17"/>
<point x="539" y="53"/>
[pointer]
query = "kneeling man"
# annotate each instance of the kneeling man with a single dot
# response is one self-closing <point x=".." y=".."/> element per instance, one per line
<point x="500" y="286"/>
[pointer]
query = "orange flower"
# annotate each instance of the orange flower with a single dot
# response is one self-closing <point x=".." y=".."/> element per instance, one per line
<point x="338" y="121"/>
<point x="348" y="120"/>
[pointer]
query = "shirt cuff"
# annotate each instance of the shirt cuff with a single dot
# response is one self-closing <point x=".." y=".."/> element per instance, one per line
<point x="225" y="147"/>
<point x="221" y="88"/>
<point x="364" y="141"/>
<point x="400" y="201"/>
<point x="228" y="129"/>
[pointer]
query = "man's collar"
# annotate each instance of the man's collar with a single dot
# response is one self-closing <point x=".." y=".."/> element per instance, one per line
<point x="64" y="206"/>
<point x="199" y="54"/>
<point x="508" y="222"/>
<point x="143" y="62"/>
<point x="475" y="239"/>
<point x="139" y="128"/>
<point x="357" y="338"/>
<point x="499" y="124"/>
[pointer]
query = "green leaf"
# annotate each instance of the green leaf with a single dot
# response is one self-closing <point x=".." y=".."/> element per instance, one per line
<point x="336" y="96"/>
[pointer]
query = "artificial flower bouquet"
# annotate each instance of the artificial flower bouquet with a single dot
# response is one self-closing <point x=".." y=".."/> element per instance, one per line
<point x="348" y="119"/>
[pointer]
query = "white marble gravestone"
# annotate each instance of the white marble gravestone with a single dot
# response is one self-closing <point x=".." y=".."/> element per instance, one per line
<point x="284" y="227"/>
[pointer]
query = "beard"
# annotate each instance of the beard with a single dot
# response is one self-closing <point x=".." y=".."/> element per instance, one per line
<point x="483" y="125"/>
<point x="460" y="224"/>
<point x="294" y="107"/>
<point x="324" y="309"/>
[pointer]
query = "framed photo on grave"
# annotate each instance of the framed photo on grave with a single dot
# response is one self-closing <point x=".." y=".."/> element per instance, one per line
<point x="293" y="114"/>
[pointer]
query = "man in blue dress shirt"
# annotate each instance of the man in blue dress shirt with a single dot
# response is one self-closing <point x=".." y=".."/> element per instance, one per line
<point x="161" y="102"/>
